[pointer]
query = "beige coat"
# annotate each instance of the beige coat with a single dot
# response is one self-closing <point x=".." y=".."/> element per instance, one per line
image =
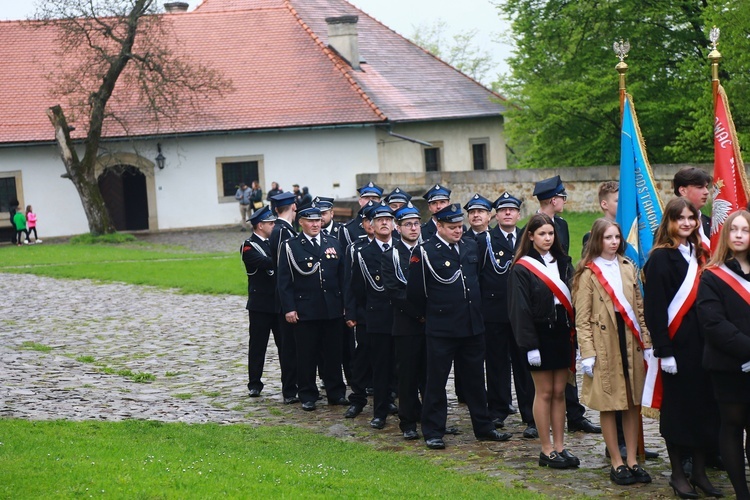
<point x="597" y="336"/>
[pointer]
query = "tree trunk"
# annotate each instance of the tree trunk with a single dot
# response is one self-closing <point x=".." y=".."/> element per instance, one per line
<point x="82" y="174"/>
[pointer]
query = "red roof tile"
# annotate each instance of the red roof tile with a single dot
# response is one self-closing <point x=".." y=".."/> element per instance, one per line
<point x="282" y="73"/>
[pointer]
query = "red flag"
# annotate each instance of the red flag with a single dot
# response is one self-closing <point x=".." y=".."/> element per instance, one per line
<point x="730" y="190"/>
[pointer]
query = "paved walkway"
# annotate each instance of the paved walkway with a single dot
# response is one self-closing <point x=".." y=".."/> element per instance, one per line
<point x="196" y="348"/>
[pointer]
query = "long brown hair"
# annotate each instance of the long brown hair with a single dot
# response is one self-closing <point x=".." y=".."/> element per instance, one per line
<point x="537" y="221"/>
<point x="724" y="251"/>
<point x="595" y="245"/>
<point x="666" y="234"/>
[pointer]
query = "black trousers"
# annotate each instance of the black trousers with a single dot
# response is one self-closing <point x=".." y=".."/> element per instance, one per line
<point x="361" y="373"/>
<point x="261" y="326"/>
<point x="502" y="353"/>
<point x="288" y="359"/>
<point x="312" y="337"/>
<point x="468" y="353"/>
<point x="410" y="360"/>
<point x="381" y="360"/>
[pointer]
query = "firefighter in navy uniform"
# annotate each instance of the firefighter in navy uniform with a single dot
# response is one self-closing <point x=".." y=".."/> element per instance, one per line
<point x="367" y="288"/>
<point x="479" y="209"/>
<point x="438" y="197"/>
<point x="328" y="226"/>
<point x="408" y="322"/>
<point x="444" y="283"/>
<point x="353" y="229"/>
<point x="496" y="250"/>
<point x="261" y="296"/>
<point x="285" y="208"/>
<point x="310" y="280"/>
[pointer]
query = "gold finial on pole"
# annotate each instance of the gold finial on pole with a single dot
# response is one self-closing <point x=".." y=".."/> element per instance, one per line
<point x="621" y="49"/>
<point x="714" y="56"/>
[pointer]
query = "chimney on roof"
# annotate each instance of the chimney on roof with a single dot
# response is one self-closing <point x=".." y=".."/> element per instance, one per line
<point x="343" y="38"/>
<point x="175" y="7"/>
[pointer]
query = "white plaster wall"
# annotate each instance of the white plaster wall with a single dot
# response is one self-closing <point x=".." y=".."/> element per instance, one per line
<point x="398" y="155"/>
<point x="186" y="190"/>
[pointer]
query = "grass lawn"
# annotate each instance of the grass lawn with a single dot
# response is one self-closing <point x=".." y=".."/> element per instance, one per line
<point x="142" y="459"/>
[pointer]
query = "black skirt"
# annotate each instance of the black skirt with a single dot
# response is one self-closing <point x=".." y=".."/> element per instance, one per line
<point x="731" y="387"/>
<point x="555" y="344"/>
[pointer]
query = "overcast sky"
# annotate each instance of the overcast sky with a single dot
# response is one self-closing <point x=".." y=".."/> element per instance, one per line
<point x="400" y="15"/>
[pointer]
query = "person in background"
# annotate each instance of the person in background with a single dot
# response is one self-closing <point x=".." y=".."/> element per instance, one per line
<point x="22" y="236"/>
<point x="243" y="197"/>
<point x="689" y="419"/>
<point x="614" y="342"/>
<point x="256" y="196"/>
<point x="723" y="311"/>
<point x="353" y="229"/>
<point x="692" y="184"/>
<point x="12" y="209"/>
<point x="31" y="224"/>
<point x="479" y="209"/>
<point x="275" y="189"/>
<point x="540" y="310"/>
<point x="437" y="197"/>
<point x="609" y="194"/>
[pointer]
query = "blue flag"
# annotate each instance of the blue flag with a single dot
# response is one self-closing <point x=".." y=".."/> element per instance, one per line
<point x="639" y="209"/>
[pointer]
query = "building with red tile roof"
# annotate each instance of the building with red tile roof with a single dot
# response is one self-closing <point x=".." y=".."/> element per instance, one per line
<point x="320" y="91"/>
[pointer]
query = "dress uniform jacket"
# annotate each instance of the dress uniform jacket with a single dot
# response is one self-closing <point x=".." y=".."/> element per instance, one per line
<point x="309" y="281"/>
<point x="530" y="297"/>
<point x="282" y="231"/>
<point x="429" y="229"/>
<point x="395" y="275"/>
<point x="352" y="231"/>
<point x="336" y="231"/>
<point x="367" y="287"/>
<point x="495" y="257"/>
<point x="354" y="310"/>
<point x="438" y="277"/>
<point x="724" y="317"/>
<point x="689" y="414"/>
<point x="597" y="329"/>
<point x="261" y="275"/>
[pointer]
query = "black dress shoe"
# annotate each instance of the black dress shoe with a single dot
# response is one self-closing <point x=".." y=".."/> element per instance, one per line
<point x="392" y="409"/>
<point x="553" y="460"/>
<point x="291" y="400"/>
<point x="435" y="444"/>
<point x="353" y="411"/>
<point x="254" y="393"/>
<point x="584" y="425"/>
<point x="708" y="490"/>
<point x="308" y="406"/>
<point x="411" y="435"/>
<point x="377" y="423"/>
<point x="530" y="432"/>
<point x="339" y="401"/>
<point x="621" y="475"/>
<point x="370" y="391"/>
<point x="495" y="435"/>
<point x="454" y="431"/>
<point x="499" y="423"/>
<point x="640" y="474"/>
<point x="683" y="494"/>
<point x="573" y="461"/>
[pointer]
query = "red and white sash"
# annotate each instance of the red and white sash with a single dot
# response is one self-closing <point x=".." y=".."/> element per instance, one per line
<point x="705" y="240"/>
<point x="678" y="308"/>
<point x="740" y="286"/>
<point x="560" y="290"/>
<point x="620" y="302"/>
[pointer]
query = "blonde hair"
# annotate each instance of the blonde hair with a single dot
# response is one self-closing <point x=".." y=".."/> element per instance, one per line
<point x="723" y="251"/>
<point x="595" y="245"/>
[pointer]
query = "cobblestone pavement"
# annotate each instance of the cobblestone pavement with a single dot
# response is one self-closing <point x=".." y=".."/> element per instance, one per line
<point x="71" y="350"/>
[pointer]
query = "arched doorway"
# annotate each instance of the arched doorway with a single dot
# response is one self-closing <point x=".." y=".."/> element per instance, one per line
<point x="124" y="191"/>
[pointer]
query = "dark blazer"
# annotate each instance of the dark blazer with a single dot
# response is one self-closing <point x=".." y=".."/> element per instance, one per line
<point x="261" y="275"/>
<point x="395" y="288"/>
<point x="725" y="320"/>
<point x="353" y="310"/>
<point x="494" y="271"/>
<point x="337" y="232"/>
<point x="315" y="296"/>
<point x="450" y="310"/>
<point x="378" y="311"/>
<point x="282" y="231"/>
<point x="706" y="221"/>
<point x="531" y="304"/>
<point x="352" y="231"/>
<point x="429" y="229"/>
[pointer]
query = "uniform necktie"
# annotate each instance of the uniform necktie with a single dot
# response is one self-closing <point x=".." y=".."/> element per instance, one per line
<point x="454" y="247"/>
<point x="386" y="246"/>
<point x="325" y="231"/>
<point x="510" y="239"/>
<point x="315" y="244"/>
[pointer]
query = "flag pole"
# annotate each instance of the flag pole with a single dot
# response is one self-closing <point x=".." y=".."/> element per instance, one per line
<point x="621" y="50"/>
<point x="714" y="56"/>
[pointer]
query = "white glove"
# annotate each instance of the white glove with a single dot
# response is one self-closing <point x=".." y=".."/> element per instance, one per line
<point x="648" y="355"/>
<point x="534" y="357"/>
<point x="588" y="366"/>
<point x="746" y="367"/>
<point x="669" y="365"/>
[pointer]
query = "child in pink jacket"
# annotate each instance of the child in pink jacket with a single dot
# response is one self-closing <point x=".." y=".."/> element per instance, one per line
<point x="31" y="224"/>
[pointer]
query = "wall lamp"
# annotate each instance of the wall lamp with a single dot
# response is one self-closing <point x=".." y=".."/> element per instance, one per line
<point x="160" y="157"/>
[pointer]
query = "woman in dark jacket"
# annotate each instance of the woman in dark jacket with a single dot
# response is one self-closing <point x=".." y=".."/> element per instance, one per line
<point x="542" y="327"/>
<point x="689" y="419"/>
<point x="724" y="313"/>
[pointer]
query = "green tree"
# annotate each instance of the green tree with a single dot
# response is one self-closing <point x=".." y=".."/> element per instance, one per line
<point x="565" y="88"/>
<point x="117" y="67"/>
